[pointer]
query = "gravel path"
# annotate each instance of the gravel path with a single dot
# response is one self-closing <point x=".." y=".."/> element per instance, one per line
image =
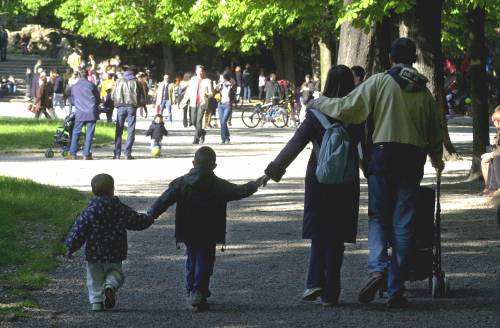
<point x="259" y="279"/>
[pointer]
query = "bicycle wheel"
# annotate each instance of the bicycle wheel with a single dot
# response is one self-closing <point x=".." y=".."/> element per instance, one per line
<point x="251" y="116"/>
<point x="280" y="117"/>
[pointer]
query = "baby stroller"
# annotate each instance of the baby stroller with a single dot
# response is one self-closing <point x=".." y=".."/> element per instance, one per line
<point x="62" y="137"/>
<point x="425" y="259"/>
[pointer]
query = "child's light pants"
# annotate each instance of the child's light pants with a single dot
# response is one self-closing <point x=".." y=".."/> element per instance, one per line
<point x="101" y="276"/>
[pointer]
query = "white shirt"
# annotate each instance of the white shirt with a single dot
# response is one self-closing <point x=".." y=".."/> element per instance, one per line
<point x="262" y="80"/>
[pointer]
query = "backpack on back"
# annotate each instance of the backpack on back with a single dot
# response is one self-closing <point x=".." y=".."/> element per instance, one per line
<point x="336" y="157"/>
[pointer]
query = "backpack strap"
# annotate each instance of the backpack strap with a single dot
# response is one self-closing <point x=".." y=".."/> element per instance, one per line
<point x="321" y="118"/>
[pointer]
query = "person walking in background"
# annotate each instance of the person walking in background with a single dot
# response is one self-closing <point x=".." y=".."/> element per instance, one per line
<point x="29" y="82"/>
<point x="4" y="40"/>
<point x="144" y="90"/>
<point x="197" y="93"/>
<point x="38" y="66"/>
<point x="317" y="85"/>
<point x="330" y="210"/>
<point x="225" y="88"/>
<point x="85" y="98"/>
<point x="74" y="60"/>
<point x="165" y="98"/>
<point x="247" y="84"/>
<point x="406" y="128"/>
<point x="359" y="74"/>
<point x="58" y="99"/>
<point x="106" y="94"/>
<point x="127" y="95"/>
<point x="262" y="85"/>
<point x="272" y="89"/>
<point x="184" y="105"/>
<point x="238" y="77"/>
<point x="306" y="94"/>
<point x="42" y="97"/>
<point x="157" y="131"/>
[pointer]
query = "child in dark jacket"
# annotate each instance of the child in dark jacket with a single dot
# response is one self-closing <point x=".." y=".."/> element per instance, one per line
<point x="156" y="131"/>
<point x="200" y="218"/>
<point x="102" y="227"/>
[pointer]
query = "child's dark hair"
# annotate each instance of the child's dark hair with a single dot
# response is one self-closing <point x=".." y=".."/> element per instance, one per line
<point x="205" y="157"/>
<point x="158" y="115"/>
<point x="102" y="184"/>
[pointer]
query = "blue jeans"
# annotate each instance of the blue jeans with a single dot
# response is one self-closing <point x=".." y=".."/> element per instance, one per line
<point x="325" y="262"/>
<point x="122" y="114"/>
<point x="166" y="105"/>
<point x="75" y="137"/>
<point x="391" y="207"/>
<point x="225" y="111"/>
<point x="247" y="93"/>
<point x="199" y="267"/>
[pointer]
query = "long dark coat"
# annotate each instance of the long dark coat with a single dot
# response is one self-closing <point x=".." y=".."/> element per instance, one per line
<point x="330" y="211"/>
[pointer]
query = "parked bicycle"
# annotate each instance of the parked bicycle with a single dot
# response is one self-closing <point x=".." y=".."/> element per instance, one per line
<point x="275" y="112"/>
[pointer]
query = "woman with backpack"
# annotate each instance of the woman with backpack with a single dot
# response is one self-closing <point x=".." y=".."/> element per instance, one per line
<point x="330" y="210"/>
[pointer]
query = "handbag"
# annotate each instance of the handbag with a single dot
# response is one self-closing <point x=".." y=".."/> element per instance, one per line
<point x="35" y="109"/>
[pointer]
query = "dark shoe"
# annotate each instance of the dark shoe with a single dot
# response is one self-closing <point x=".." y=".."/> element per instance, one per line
<point x="202" y="139"/>
<point x="115" y="156"/>
<point x="109" y="298"/>
<point x="198" y="299"/>
<point x="398" y="302"/>
<point x="129" y="157"/>
<point x="373" y="285"/>
<point x="71" y="157"/>
<point x="311" y="294"/>
<point x="88" y="157"/>
<point x="195" y="142"/>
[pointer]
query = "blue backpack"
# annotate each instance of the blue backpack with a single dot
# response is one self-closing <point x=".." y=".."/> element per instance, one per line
<point x="337" y="157"/>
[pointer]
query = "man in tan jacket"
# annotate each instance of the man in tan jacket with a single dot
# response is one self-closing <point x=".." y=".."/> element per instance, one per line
<point x="406" y="127"/>
<point x="197" y="93"/>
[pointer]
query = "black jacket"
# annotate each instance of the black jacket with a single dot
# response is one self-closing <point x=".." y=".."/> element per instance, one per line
<point x="156" y="131"/>
<point x="201" y="199"/>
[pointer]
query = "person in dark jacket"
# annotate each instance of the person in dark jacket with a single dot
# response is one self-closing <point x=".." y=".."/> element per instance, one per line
<point x="4" y="39"/>
<point x="156" y="131"/>
<point x="272" y="89"/>
<point x="200" y="218"/>
<point x="85" y="98"/>
<point x="127" y="96"/>
<point x="102" y="227"/>
<point x="42" y="96"/>
<point x="330" y="211"/>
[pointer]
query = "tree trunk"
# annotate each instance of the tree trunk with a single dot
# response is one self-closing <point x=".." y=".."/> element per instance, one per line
<point x="315" y="56"/>
<point x="288" y="52"/>
<point x="325" y="55"/>
<point x="479" y="96"/>
<point x="168" y="59"/>
<point x="422" y="24"/>
<point x="278" y="60"/>
<point x="354" y="47"/>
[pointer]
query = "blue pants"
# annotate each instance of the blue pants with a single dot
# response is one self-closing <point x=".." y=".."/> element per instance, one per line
<point x="224" y="115"/>
<point x="122" y="114"/>
<point x="325" y="262"/>
<point x="168" y="106"/>
<point x="247" y="93"/>
<point x="199" y="267"/>
<point x="391" y="207"/>
<point x="75" y="137"/>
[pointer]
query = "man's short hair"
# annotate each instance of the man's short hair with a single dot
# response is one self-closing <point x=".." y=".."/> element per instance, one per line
<point x="82" y="72"/>
<point x="200" y="67"/>
<point x="133" y="69"/>
<point x="404" y="51"/>
<point x="205" y="156"/>
<point x="102" y="184"/>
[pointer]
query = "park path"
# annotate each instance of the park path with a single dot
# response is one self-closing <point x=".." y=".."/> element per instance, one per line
<point x="259" y="279"/>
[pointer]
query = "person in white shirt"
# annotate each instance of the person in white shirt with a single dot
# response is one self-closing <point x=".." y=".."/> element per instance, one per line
<point x="262" y="84"/>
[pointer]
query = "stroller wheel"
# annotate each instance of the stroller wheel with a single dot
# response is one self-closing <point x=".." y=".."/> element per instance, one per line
<point x="64" y="153"/>
<point x="49" y="153"/>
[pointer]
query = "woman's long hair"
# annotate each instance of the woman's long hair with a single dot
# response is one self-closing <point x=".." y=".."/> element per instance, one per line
<point x="339" y="82"/>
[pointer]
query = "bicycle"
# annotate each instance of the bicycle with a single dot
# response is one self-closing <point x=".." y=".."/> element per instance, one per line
<point x="274" y="112"/>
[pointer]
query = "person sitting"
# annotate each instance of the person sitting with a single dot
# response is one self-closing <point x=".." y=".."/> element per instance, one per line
<point x="490" y="161"/>
<point x="11" y="85"/>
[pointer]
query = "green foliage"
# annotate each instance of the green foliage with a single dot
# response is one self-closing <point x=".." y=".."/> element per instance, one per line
<point x="363" y="13"/>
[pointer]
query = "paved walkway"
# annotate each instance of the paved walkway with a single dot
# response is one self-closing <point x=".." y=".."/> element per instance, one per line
<point x="259" y="279"/>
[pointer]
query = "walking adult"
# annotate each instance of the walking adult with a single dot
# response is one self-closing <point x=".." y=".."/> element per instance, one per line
<point x="183" y="84"/>
<point x="29" y="82"/>
<point x="58" y="97"/>
<point x="197" y="93"/>
<point x="144" y="89"/>
<point x="74" y="60"/>
<point x="262" y="84"/>
<point x="85" y="98"/>
<point x="306" y="94"/>
<point x="238" y="77"/>
<point x="126" y="97"/>
<point x="165" y="98"/>
<point x="406" y="127"/>
<point x="42" y="96"/>
<point x="4" y="39"/>
<point x="224" y="108"/>
<point x="330" y="210"/>
<point x="247" y="84"/>
<point x="272" y="89"/>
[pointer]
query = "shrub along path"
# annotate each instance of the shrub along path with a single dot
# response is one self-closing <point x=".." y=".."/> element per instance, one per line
<point x="259" y="279"/>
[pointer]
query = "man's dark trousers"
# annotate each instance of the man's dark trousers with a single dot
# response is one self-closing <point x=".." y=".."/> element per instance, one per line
<point x="125" y="113"/>
<point x="197" y="120"/>
<point x="199" y="267"/>
<point x="3" y="52"/>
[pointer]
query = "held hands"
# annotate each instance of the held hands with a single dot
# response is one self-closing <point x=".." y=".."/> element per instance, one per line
<point x="262" y="181"/>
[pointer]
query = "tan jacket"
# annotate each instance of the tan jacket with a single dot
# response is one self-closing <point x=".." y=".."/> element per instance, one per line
<point x="192" y="89"/>
<point x="408" y="117"/>
<point x="170" y="91"/>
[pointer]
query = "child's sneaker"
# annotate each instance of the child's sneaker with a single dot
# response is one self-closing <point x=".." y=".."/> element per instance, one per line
<point x="109" y="297"/>
<point x="97" y="307"/>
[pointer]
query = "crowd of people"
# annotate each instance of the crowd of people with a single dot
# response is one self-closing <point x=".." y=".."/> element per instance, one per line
<point x="404" y="128"/>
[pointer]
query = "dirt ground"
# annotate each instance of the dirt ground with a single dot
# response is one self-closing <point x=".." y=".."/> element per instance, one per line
<point x="258" y="280"/>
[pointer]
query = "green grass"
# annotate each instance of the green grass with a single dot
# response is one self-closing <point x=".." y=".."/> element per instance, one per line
<point x="17" y="134"/>
<point x="33" y="219"/>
